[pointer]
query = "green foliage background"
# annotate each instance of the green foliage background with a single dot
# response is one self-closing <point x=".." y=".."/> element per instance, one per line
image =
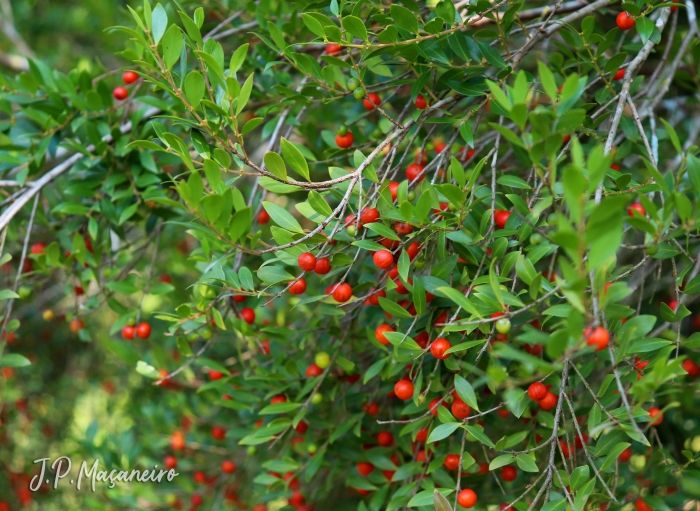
<point x="157" y="219"/>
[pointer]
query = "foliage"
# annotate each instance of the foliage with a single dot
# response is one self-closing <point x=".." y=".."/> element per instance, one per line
<point x="548" y="233"/>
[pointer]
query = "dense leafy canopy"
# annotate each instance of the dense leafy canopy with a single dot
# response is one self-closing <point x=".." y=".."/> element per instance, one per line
<point x="374" y="254"/>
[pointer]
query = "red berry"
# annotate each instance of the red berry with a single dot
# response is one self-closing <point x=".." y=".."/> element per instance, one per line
<point x="218" y="433"/>
<point x="422" y="435"/>
<point x="143" y="330"/>
<point x="626" y="455"/>
<point x="344" y="141"/>
<point x="508" y="473"/>
<point x="403" y="228"/>
<point x="279" y="398"/>
<point x="656" y="414"/>
<point x="385" y="438"/>
<point x="248" y="315"/>
<point x="383" y="259"/>
<point x="228" y="467"/>
<point x="215" y="375"/>
<point x="365" y="468"/>
<point x="342" y="293"/>
<point x="433" y="406"/>
<point x="599" y="337"/>
<point x="422" y="339"/>
<point x="380" y="331"/>
<point x="439" y="347"/>
<point x="196" y="500"/>
<point x="307" y="261"/>
<point x="393" y="189"/>
<point x="420" y="102"/>
<point x="548" y="402"/>
<point x="636" y="206"/>
<point x="537" y="391"/>
<point x="239" y="298"/>
<point x="170" y="462"/>
<point x="403" y="389"/>
<point x="78" y="290"/>
<point x="460" y="409"/>
<point x="332" y="49"/>
<point x="297" y="499"/>
<point x="298" y="288"/>
<point x="691" y="368"/>
<point x="323" y="266"/>
<point x="128" y="332"/>
<point x="369" y="215"/>
<point x="313" y="370"/>
<point x="413" y="171"/>
<point x="372" y="99"/>
<point x="129" y="77"/>
<point x="501" y="217"/>
<point x="37" y="248"/>
<point x="624" y="21"/>
<point x="466" y="498"/>
<point x="640" y="505"/>
<point x="302" y="427"/>
<point x="120" y="93"/>
<point x="619" y="75"/>
<point x="263" y="217"/>
<point x="452" y="462"/>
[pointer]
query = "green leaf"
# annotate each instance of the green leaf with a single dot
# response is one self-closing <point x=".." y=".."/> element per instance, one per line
<point x="159" y="23"/>
<point x="7" y="294"/>
<point x="275" y="164"/>
<point x="382" y="230"/>
<point x="404" y="18"/>
<point x="14" y="360"/>
<point x="194" y="88"/>
<point x="478" y="433"/>
<point x="244" y="95"/>
<point x="145" y="369"/>
<point x="443" y="431"/>
<point x="172" y="46"/>
<point x="465" y="391"/>
<point x="403" y="265"/>
<point x="458" y="298"/>
<point x="393" y="308"/>
<point x="355" y="27"/>
<point x="279" y="408"/>
<point x="294" y="158"/>
<point x="614" y="454"/>
<point x="501" y="461"/>
<point x="645" y="27"/>
<point x="526" y="463"/>
<point x="440" y="502"/>
<point x="282" y="217"/>
<point x="238" y="58"/>
<point x="578" y="476"/>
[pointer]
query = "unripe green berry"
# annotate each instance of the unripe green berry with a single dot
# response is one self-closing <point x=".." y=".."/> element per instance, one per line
<point x="317" y="398"/>
<point x="351" y="230"/>
<point x="24" y="292"/>
<point x="251" y="450"/>
<point x="359" y="93"/>
<point x="322" y="359"/>
<point x="553" y="220"/>
<point x="192" y="336"/>
<point x="536" y="239"/>
<point x="377" y="133"/>
<point x="206" y="333"/>
<point x="312" y="448"/>
<point x="353" y="83"/>
<point x="652" y="250"/>
<point x="503" y="326"/>
<point x="419" y="263"/>
<point x="411" y="195"/>
<point x="342" y="130"/>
